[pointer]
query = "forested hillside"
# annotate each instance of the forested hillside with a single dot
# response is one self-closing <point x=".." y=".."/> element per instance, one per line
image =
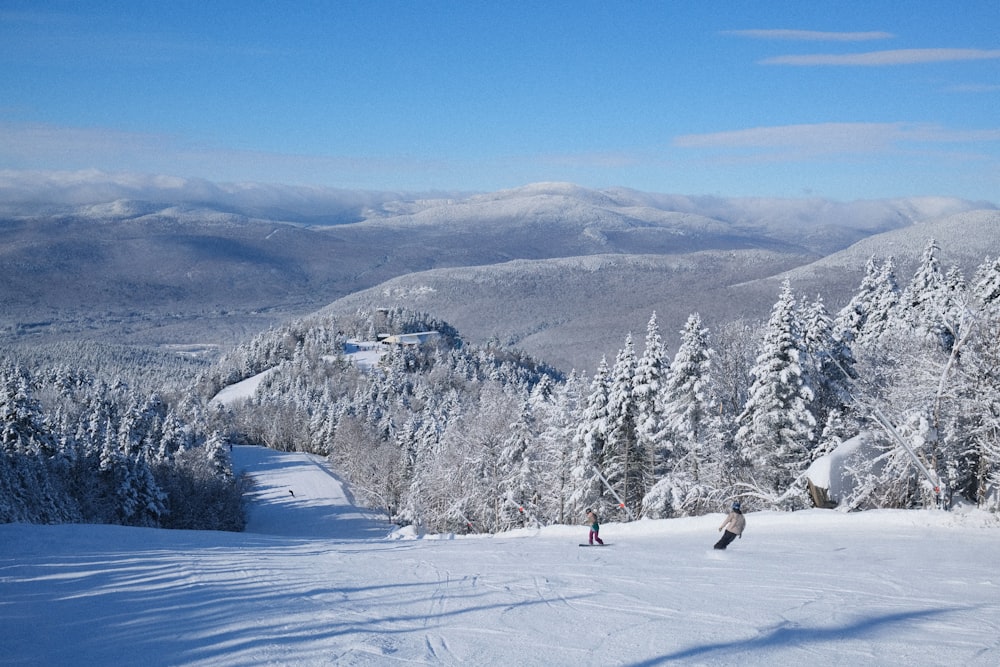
<point x="469" y="432"/>
<point x="109" y="434"/>
<point x="450" y="436"/>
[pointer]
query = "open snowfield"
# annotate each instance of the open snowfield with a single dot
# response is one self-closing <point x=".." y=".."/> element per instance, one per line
<point x="315" y="581"/>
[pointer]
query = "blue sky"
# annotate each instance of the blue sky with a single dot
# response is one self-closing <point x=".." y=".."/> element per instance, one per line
<point x="847" y="100"/>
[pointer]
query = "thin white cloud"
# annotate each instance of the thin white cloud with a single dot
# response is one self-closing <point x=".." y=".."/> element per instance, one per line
<point x="974" y="88"/>
<point x="811" y="35"/>
<point x="811" y="140"/>
<point x="91" y="186"/>
<point x="42" y="147"/>
<point x="883" y="58"/>
<point x="930" y="133"/>
<point x="39" y="141"/>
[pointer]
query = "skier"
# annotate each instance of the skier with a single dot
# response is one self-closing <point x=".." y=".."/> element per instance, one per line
<point x="595" y="527"/>
<point x="734" y="524"/>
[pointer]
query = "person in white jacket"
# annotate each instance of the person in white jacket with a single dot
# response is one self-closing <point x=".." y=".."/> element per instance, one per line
<point x="733" y="525"/>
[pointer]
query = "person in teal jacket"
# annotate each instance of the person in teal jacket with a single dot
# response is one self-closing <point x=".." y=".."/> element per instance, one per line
<point x="595" y="527"/>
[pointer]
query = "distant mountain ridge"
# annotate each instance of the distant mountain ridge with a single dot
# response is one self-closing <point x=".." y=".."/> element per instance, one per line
<point x="555" y="267"/>
<point x="572" y="311"/>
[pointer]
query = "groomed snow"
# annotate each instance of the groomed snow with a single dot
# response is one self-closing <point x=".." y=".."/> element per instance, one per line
<point x="316" y="581"/>
<point x="239" y="391"/>
<point x="363" y="353"/>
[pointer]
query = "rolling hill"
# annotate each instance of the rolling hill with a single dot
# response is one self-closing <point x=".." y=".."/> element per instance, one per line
<point x="560" y="270"/>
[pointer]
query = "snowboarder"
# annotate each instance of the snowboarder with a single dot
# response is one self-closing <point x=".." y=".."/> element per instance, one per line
<point x="291" y="492"/>
<point x="734" y="524"/>
<point x="595" y="527"/>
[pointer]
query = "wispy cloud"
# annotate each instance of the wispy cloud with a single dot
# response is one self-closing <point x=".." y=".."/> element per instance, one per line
<point x="52" y="36"/>
<point x="974" y="88"/>
<point x="810" y="138"/>
<point x="931" y="133"/>
<point x="827" y="139"/>
<point x="883" y="58"/>
<point x="91" y="186"/>
<point x="40" y="146"/>
<point x="811" y="35"/>
<point x="32" y="141"/>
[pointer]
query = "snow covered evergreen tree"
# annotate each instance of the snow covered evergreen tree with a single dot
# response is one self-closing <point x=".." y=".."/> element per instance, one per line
<point x="689" y="483"/>
<point x="828" y="366"/>
<point x="853" y="317"/>
<point x="925" y="303"/>
<point x="651" y="374"/>
<point x="776" y="428"/>
<point x="982" y="403"/>
<point x="872" y="311"/>
<point x="885" y="304"/>
<point x="556" y="407"/>
<point x="29" y="491"/>
<point x="626" y="463"/>
<point x="519" y="477"/>
<point x="590" y="449"/>
<point x="986" y="283"/>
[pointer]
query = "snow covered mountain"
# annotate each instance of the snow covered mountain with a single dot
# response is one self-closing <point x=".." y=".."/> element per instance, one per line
<point x="572" y="311"/>
<point x="561" y="269"/>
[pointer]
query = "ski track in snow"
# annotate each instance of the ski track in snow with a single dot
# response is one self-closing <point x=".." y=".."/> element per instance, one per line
<point x="317" y="581"/>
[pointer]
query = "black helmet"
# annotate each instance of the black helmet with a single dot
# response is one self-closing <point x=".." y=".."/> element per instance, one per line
<point x="736" y="505"/>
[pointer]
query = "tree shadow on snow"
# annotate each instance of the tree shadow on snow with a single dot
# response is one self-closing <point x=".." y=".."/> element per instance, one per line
<point x="134" y="595"/>
<point x="792" y="635"/>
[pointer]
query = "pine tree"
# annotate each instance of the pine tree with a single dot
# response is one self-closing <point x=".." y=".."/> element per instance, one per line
<point x="872" y="310"/>
<point x="556" y="407"/>
<point x="776" y="427"/>
<point x="651" y="375"/>
<point x="689" y="398"/>
<point x="415" y="471"/>
<point x="884" y="305"/>
<point x="30" y="490"/>
<point x="925" y="302"/>
<point x="828" y="366"/>
<point x="590" y="448"/>
<point x="688" y="484"/>
<point x="626" y="464"/>
<point x="986" y="283"/>
<point x="519" y="478"/>
<point x="853" y="318"/>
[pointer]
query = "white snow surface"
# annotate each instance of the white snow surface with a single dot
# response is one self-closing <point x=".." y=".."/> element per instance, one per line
<point x="363" y="353"/>
<point x="239" y="391"/>
<point x="317" y="581"/>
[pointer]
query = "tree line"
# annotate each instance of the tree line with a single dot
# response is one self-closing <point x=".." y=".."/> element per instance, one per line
<point x="458" y="437"/>
<point x="76" y="447"/>
<point x="453" y="436"/>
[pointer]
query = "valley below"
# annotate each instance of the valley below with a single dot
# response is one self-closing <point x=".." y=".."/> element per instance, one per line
<point x="562" y="272"/>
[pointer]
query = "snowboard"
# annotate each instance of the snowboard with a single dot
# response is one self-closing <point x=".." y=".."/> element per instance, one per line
<point x="606" y="544"/>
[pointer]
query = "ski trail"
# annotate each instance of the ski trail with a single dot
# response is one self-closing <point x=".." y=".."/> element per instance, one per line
<point x="297" y="495"/>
